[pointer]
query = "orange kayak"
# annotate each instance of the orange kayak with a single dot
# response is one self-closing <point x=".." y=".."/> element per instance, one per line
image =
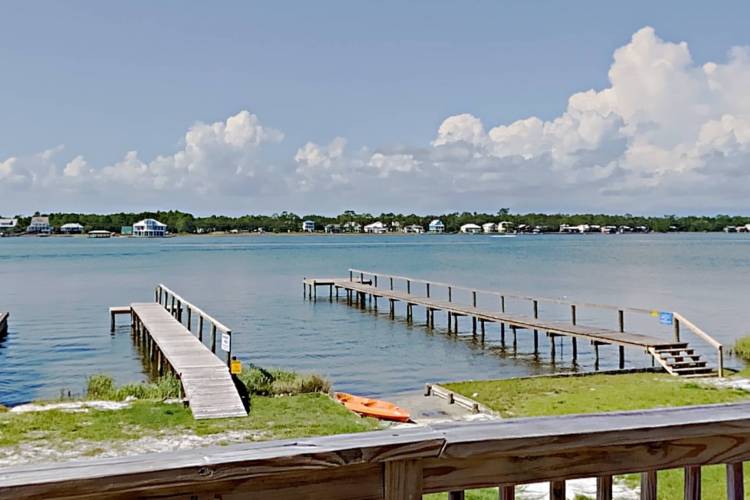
<point x="373" y="407"/>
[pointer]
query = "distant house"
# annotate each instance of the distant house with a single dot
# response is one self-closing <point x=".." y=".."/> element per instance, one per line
<point x="489" y="227"/>
<point x="100" y="233"/>
<point x="332" y="228"/>
<point x="505" y="227"/>
<point x="352" y="227"/>
<point x="436" y="226"/>
<point x="580" y="228"/>
<point x="39" y="225"/>
<point x="7" y="224"/>
<point x="71" y="228"/>
<point x="743" y="229"/>
<point x="395" y="226"/>
<point x="608" y="229"/>
<point x="376" y="228"/>
<point x="413" y="229"/>
<point x="308" y="226"/>
<point x="149" y="228"/>
<point x="471" y="229"/>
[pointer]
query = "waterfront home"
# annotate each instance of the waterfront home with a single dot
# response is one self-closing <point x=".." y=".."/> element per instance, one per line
<point x="7" y="224"/>
<point x="580" y="228"/>
<point x="395" y="226"/>
<point x="489" y="227"/>
<point x="413" y="229"/>
<point x="608" y="229"/>
<point x="352" y="227"/>
<point x="742" y="229"/>
<point x="376" y="228"/>
<point x="624" y="229"/>
<point x="730" y="229"/>
<point x="308" y="226"/>
<point x="471" y="229"/>
<point x="642" y="229"/>
<point x="149" y="228"/>
<point x="39" y="225"/>
<point x="71" y="228"/>
<point x="332" y="228"/>
<point x="505" y="227"/>
<point x="436" y="226"/>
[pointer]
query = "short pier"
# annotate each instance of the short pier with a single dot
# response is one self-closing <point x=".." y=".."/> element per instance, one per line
<point x="206" y="382"/>
<point x="674" y="355"/>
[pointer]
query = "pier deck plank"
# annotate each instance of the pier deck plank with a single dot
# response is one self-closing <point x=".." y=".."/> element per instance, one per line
<point x="205" y="378"/>
<point x="595" y="334"/>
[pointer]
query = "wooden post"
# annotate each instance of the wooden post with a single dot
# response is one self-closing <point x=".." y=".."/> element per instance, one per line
<point x="450" y="294"/>
<point x="375" y="278"/>
<point x="474" y="298"/>
<point x="604" y="488"/>
<point x="507" y="492"/>
<point x="330" y="293"/>
<point x="229" y="352"/>
<point x="557" y="490"/>
<point x="408" y="287"/>
<point x="393" y="308"/>
<point x="449" y="322"/>
<point x="573" y="320"/>
<point x="213" y="337"/>
<point x="481" y="321"/>
<point x="474" y="325"/>
<point x="111" y="321"/>
<point x="693" y="482"/>
<point x="361" y="277"/>
<point x="735" y="482"/>
<point x="622" y="357"/>
<point x="190" y="319"/>
<point x="200" y="328"/>
<point x="351" y="275"/>
<point x="402" y="480"/>
<point x="552" y="347"/>
<point x="648" y="485"/>
<point x="596" y="355"/>
<point x="621" y="320"/>
<point x="179" y="311"/>
<point x="720" y="352"/>
<point x="536" y="332"/>
<point x="427" y="285"/>
<point x="676" y="323"/>
<point x="173" y="309"/>
<point x="456" y="495"/>
<point x="391" y="283"/>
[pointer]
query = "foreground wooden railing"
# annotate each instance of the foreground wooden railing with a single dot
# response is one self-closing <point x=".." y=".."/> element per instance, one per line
<point x="406" y="463"/>
<point x="175" y="304"/>
<point x="431" y="288"/>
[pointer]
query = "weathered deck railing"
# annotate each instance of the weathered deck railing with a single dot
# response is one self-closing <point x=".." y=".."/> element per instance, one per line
<point x="430" y="288"/>
<point x="175" y="304"/>
<point x="406" y="463"/>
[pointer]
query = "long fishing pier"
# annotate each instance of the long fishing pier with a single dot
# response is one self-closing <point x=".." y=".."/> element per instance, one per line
<point x="675" y="355"/>
<point x="172" y="345"/>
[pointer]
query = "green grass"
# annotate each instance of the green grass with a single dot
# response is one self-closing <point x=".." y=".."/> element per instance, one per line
<point x="274" y="382"/>
<point x="102" y="387"/>
<point x="275" y="417"/>
<point x="550" y="396"/>
<point x="547" y="396"/>
<point x="742" y="348"/>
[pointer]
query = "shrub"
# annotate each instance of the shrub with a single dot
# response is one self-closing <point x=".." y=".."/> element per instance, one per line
<point x="103" y="387"/>
<point x="742" y="348"/>
<point x="277" y="382"/>
<point x="3" y="409"/>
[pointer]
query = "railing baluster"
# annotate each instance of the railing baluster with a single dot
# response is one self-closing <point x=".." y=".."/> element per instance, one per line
<point x="604" y="488"/>
<point x="507" y="492"/>
<point x="648" y="485"/>
<point x="693" y="482"/>
<point x="402" y="480"/>
<point x="557" y="490"/>
<point x="735" y="482"/>
<point x="456" y="495"/>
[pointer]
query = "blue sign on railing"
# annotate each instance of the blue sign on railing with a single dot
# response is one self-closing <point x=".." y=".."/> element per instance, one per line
<point x="666" y="318"/>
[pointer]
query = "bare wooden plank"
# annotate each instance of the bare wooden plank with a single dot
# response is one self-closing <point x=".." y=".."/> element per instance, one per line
<point x="402" y="480"/>
<point x="648" y="485"/>
<point x="604" y="488"/>
<point x="735" y="481"/>
<point x="693" y="482"/>
<point x="557" y="490"/>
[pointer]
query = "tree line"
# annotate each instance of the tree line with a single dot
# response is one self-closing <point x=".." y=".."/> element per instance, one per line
<point x="182" y="222"/>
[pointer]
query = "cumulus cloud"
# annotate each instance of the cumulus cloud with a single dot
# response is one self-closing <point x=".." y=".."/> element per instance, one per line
<point x="667" y="133"/>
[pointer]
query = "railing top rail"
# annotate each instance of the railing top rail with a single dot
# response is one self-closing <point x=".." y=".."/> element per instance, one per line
<point x="699" y="332"/>
<point x="504" y="294"/>
<point x="461" y="444"/>
<point x="219" y="325"/>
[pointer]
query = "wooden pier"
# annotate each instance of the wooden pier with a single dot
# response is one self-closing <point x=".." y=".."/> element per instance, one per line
<point x="171" y="344"/>
<point x="3" y="323"/>
<point x="675" y="355"/>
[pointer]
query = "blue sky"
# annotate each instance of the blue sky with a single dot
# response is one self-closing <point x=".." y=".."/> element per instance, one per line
<point x="102" y="79"/>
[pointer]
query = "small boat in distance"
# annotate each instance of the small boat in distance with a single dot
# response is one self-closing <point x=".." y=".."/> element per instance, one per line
<point x="375" y="408"/>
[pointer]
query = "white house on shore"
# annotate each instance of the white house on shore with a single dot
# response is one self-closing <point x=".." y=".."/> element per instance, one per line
<point x="413" y="228"/>
<point x="71" y="228"/>
<point x="489" y="227"/>
<point x="436" y="226"/>
<point x="505" y="227"/>
<point x="149" y="228"/>
<point x="376" y="228"/>
<point x="471" y="229"/>
<point x="39" y="225"/>
<point x="308" y="226"/>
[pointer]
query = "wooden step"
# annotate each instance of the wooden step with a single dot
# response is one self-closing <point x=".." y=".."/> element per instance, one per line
<point x="688" y="364"/>
<point x="688" y="371"/>
<point x="675" y="350"/>
<point x="678" y="357"/>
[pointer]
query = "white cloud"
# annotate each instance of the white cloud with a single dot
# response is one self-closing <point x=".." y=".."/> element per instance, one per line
<point x="667" y="134"/>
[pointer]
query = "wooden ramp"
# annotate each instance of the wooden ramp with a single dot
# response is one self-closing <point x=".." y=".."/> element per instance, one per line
<point x="674" y="355"/>
<point x="205" y="379"/>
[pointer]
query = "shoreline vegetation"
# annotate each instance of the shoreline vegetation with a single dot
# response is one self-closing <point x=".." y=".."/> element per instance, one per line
<point x="111" y="420"/>
<point x="288" y="222"/>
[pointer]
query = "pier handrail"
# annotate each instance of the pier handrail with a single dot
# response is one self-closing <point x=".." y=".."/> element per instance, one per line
<point x="405" y="463"/>
<point x="162" y="296"/>
<point x="678" y="318"/>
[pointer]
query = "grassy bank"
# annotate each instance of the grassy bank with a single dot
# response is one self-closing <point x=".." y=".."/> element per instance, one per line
<point x="551" y="396"/>
<point x="283" y="405"/>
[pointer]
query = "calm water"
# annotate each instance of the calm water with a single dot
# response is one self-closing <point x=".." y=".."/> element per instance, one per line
<point x="58" y="291"/>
